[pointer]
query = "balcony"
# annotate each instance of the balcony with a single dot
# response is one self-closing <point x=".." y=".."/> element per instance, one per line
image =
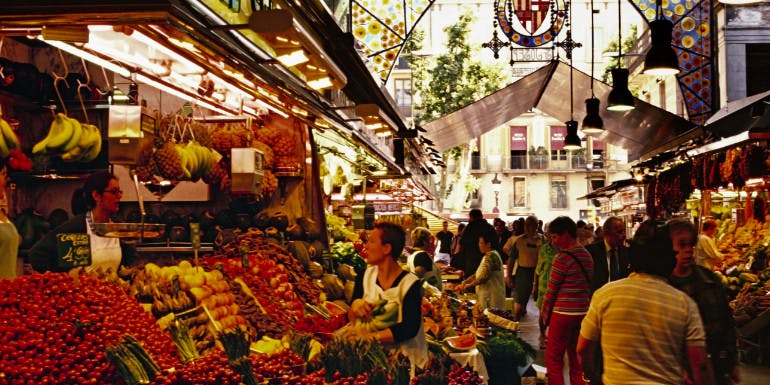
<point x="481" y="164"/>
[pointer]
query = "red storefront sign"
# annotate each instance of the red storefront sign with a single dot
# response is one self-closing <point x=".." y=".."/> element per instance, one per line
<point x="598" y="144"/>
<point x="558" y="133"/>
<point x="518" y="138"/>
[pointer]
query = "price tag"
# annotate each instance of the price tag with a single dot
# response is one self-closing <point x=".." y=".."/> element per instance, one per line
<point x="73" y="250"/>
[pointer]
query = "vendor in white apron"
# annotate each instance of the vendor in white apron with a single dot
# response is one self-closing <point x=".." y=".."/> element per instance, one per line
<point x="101" y="194"/>
<point x="386" y="279"/>
<point x="419" y="262"/>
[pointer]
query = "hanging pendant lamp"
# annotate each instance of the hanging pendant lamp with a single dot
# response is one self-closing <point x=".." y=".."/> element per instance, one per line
<point x="620" y="98"/>
<point x="592" y="123"/>
<point x="661" y="59"/>
<point x="572" y="140"/>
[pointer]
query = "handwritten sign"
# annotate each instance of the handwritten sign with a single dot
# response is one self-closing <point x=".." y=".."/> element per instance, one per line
<point x="74" y="250"/>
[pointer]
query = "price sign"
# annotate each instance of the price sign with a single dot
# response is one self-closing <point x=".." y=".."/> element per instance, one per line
<point x="73" y="249"/>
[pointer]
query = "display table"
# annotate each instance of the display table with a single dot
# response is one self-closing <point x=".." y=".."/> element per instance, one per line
<point x="475" y="359"/>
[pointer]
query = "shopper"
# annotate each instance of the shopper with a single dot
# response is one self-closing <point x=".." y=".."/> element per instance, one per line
<point x="610" y="254"/>
<point x="705" y="288"/>
<point x="419" y="262"/>
<point x="444" y="237"/>
<point x="385" y="279"/>
<point x="706" y="252"/>
<point x="542" y="275"/>
<point x="523" y="252"/>
<point x="101" y="193"/>
<point x="651" y="333"/>
<point x="470" y="256"/>
<point x="457" y="246"/>
<point x="488" y="279"/>
<point x="9" y="236"/>
<point x="566" y="301"/>
<point x="502" y="232"/>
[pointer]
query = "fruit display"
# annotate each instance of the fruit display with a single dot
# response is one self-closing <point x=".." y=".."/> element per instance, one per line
<point x="70" y="139"/>
<point x="752" y="300"/>
<point x="8" y="139"/>
<point x="19" y="161"/>
<point x="48" y="340"/>
<point x="226" y="136"/>
<point x="444" y="370"/>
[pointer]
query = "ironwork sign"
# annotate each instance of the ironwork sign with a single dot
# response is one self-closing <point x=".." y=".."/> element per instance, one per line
<point x="529" y="24"/>
<point x="692" y="40"/>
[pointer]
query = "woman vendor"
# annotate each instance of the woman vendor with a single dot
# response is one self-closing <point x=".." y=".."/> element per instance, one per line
<point x="385" y="279"/>
<point x="9" y="236"/>
<point x="419" y="262"/>
<point x="488" y="280"/>
<point x="101" y="193"/>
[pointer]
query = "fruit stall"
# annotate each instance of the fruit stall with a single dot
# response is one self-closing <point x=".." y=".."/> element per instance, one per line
<point x="171" y="97"/>
<point x="727" y="182"/>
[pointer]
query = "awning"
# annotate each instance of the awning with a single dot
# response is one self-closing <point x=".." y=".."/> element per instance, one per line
<point x="611" y="189"/>
<point x="644" y="128"/>
<point x="752" y="113"/>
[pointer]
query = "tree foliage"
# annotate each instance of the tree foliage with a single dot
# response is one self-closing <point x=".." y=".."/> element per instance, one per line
<point x="454" y="79"/>
<point x="628" y="45"/>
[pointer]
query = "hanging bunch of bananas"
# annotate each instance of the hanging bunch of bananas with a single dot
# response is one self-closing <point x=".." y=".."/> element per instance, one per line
<point x="8" y="139"/>
<point x="197" y="160"/>
<point x="71" y="140"/>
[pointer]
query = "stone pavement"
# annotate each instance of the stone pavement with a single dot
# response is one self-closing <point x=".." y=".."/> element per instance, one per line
<point x="751" y="373"/>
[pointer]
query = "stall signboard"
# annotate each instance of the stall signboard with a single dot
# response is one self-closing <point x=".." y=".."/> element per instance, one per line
<point x="73" y="250"/>
<point x="518" y="138"/>
<point x="558" y="133"/>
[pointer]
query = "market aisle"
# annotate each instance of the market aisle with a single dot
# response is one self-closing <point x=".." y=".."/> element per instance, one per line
<point x="752" y="374"/>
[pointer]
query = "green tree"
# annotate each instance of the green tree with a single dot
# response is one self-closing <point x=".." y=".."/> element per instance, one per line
<point x="450" y="81"/>
<point x="628" y="44"/>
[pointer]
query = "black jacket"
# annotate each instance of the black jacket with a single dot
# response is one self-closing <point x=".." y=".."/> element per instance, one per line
<point x="43" y="254"/>
<point x="601" y="271"/>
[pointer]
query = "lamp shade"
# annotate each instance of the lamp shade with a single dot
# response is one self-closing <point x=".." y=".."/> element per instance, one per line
<point x="592" y="123"/>
<point x="620" y="98"/>
<point x="572" y="140"/>
<point x="661" y="59"/>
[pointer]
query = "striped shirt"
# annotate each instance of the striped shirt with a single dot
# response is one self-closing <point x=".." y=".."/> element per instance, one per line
<point x="569" y="292"/>
<point x="644" y="326"/>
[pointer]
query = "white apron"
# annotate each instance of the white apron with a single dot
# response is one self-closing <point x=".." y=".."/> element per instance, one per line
<point x="429" y="275"/>
<point x="416" y="349"/>
<point x="105" y="251"/>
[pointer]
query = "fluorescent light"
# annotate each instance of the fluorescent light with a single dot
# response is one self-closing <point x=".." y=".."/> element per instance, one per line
<point x="720" y="144"/>
<point x="168" y="52"/>
<point x="90" y="57"/>
<point x="107" y="49"/>
<point x="321" y="83"/>
<point x="173" y="91"/>
<point x="295" y="57"/>
<point x="271" y="108"/>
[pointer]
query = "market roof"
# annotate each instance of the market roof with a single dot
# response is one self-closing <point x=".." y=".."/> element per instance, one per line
<point x="611" y="189"/>
<point x="751" y="113"/>
<point x="638" y="131"/>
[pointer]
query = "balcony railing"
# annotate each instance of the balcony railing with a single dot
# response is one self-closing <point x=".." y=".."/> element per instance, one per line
<point x="480" y="163"/>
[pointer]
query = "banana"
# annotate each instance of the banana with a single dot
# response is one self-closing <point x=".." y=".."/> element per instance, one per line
<point x="10" y="137"/>
<point x="185" y="155"/>
<point x="3" y="147"/>
<point x="53" y="130"/>
<point x="205" y="156"/>
<point x="65" y="133"/>
<point x="86" y="137"/>
<point x="73" y="155"/>
<point x="77" y="132"/>
<point x="94" y="150"/>
<point x="194" y="161"/>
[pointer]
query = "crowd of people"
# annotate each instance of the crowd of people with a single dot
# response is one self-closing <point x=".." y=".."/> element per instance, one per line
<point x="647" y="310"/>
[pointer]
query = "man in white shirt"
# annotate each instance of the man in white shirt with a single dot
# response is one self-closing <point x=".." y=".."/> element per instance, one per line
<point x="706" y="253"/>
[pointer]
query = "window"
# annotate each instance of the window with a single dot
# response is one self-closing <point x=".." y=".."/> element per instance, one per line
<point x="519" y="191"/>
<point x="403" y="62"/>
<point x="403" y="92"/>
<point x="757" y="63"/>
<point x="559" y="192"/>
<point x="597" y="183"/>
<point x="558" y="154"/>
